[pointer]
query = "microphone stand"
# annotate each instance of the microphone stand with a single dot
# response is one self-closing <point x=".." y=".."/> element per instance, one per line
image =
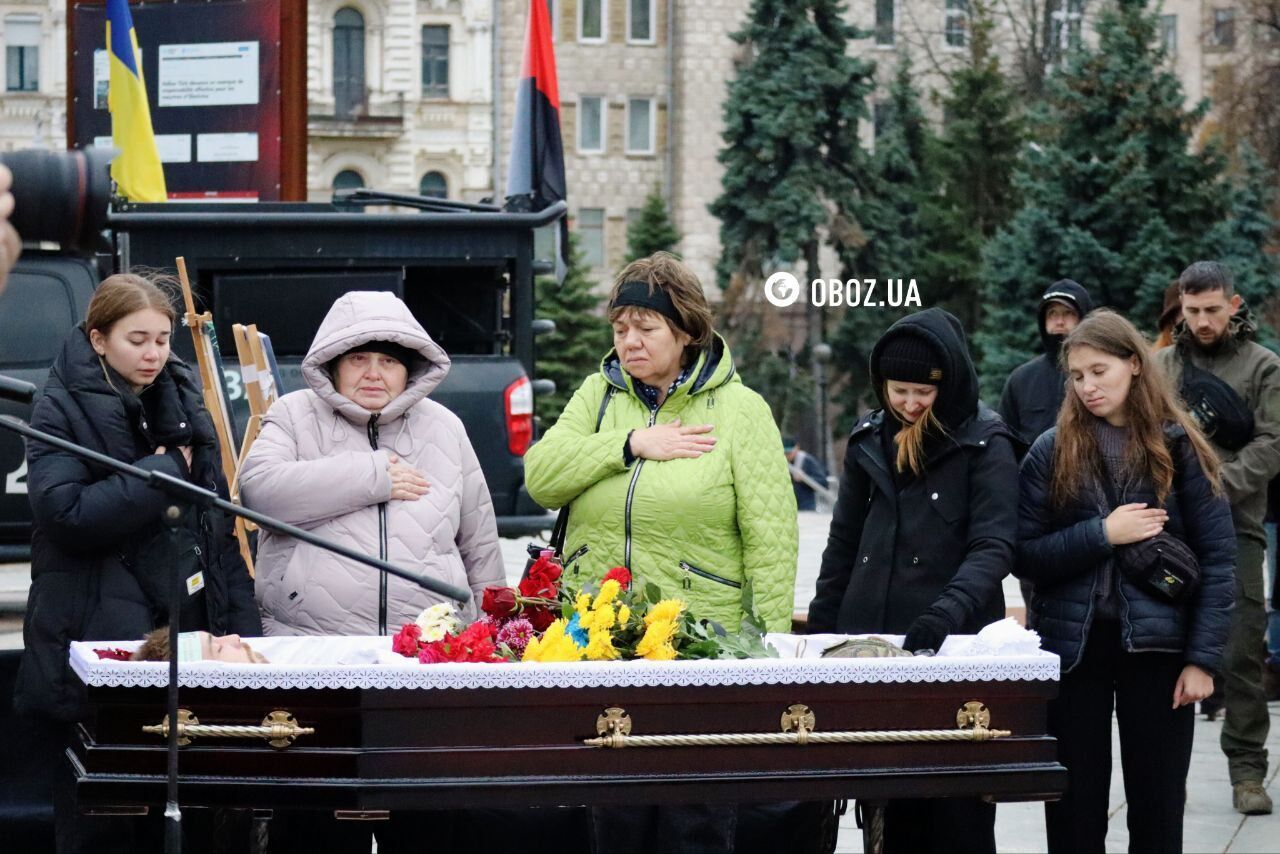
<point x="184" y="494"/>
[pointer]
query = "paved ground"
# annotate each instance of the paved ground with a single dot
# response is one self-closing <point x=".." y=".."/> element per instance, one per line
<point x="1211" y="825"/>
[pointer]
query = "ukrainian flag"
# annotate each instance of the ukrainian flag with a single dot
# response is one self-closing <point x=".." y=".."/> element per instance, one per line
<point x="136" y="168"/>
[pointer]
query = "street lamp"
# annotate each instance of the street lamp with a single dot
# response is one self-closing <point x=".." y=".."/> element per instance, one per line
<point x="821" y="358"/>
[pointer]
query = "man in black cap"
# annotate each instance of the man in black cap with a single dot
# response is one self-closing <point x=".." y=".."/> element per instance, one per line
<point x="1033" y="393"/>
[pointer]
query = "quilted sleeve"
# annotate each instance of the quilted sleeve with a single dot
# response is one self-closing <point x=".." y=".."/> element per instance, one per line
<point x="477" y="537"/>
<point x="1048" y="555"/>
<point x="303" y="492"/>
<point x="1209" y="531"/>
<point x="766" y="510"/>
<point x="572" y="456"/>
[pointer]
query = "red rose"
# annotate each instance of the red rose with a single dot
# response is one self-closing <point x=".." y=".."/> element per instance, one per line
<point x="620" y="574"/>
<point x="406" y="640"/>
<point x="499" y="602"/>
<point x="540" y="618"/>
<point x="433" y="653"/>
<point x="547" y="568"/>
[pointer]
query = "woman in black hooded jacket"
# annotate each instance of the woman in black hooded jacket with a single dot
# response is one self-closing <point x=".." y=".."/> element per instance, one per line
<point x="1123" y="464"/>
<point x="99" y="558"/>
<point x="923" y="530"/>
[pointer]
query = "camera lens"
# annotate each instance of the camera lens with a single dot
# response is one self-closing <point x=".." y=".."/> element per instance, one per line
<point x="60" y="196"/>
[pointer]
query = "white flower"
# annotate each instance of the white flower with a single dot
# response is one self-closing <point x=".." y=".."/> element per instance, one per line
<point x="437" y="621"/>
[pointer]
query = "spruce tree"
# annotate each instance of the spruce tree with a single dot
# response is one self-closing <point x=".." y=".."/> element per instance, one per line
<point x="573" y="351"/>
<point x="791" y="135"/>
<point x="896" y="188"/>
<point x="973" y="164"/>
<point x="653" y="231"/>
<point x="791" y="160"/>
<point x="1114" y="195"/>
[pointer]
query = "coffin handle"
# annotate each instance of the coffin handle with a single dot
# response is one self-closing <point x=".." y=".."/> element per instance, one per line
<point x="278" y="729"/>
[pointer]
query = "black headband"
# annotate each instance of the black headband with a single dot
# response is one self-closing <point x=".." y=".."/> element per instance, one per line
<point x="633" y="293"/>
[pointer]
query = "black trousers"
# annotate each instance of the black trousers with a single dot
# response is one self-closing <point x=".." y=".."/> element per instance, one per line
<point x="1155" y="747"/>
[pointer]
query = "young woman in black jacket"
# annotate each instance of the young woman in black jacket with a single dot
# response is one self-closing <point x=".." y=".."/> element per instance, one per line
<point x="1123" y="464"/>
<point x="98" y="550"/>
<point x="922" y="532"/>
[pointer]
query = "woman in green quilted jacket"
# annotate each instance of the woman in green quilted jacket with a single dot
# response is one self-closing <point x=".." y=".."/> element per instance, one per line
<point x="669" y="464"/>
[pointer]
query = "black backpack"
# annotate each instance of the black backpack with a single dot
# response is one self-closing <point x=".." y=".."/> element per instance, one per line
<point x="1221" y="413"/>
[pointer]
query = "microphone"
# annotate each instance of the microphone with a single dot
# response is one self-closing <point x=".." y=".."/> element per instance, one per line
<point x="16" y="390"/>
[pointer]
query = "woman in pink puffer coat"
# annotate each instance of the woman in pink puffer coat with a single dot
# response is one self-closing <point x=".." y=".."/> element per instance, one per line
<point x="363" y="457"/>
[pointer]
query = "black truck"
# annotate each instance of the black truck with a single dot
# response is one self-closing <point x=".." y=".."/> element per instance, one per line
<point x="467" y="275"/>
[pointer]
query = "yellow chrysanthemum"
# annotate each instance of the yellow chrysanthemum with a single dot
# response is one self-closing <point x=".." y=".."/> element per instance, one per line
<point x="554" y="645"/>
<point x="658" y="634"/>
<point x="624" y="615"/>
<point x="600" y="647"/>
<point x="582" y="603"/>
<point x="668" y="610"/>
<point x="608" y="592"/>
<point x="603" y="619"/>
<point x="666" y="652"/>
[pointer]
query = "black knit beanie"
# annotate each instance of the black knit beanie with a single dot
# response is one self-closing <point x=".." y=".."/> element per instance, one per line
<point x="401" y="353"/>
<point x="910" y="359"/>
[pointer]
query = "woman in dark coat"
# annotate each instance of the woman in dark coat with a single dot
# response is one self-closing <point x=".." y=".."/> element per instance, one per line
<point x="99" y="556"/>
<point x="1123" y="464"/>
<point x="922" y="532"/>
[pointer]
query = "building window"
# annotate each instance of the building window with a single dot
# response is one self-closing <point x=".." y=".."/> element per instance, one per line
<point x="640" y="21"/>
<point x="22" y="53"/>
<point x="640" y="126"/>
<point x="591" y="235"/>
<point x="956" y="23"/>
<point x="591" y="20"/>
<point x="348" y="63"/>
<point x="881" y="115"/>
<point x="884" y="22"/>
<point x="1065" y="23"/>
<point x="435" y="62"/>
<point x="1169" y="34"/>
<point x="434" y="186"/>
<point x="1224" y="28"/>
<point x="347" y="179"/>
<point x="590" y="124"/>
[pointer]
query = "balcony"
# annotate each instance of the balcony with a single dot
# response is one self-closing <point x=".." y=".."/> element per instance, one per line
<point x="374" y="115"/>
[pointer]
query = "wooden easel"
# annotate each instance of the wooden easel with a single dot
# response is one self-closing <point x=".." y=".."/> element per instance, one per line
<point x="209" y="361"/>
<point x="261" y="389"/>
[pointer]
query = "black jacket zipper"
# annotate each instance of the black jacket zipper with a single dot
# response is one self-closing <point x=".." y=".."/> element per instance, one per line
<point x="710" y="576"/>
<point x="631" y="491"/>
<point x="382" y="538"/>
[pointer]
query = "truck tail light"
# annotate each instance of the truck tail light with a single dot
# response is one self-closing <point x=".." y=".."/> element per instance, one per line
<point x="518" y="403"/>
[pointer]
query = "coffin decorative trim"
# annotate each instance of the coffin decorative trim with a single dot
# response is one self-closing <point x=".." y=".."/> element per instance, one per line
<point x="798" y="721"/>
<point x="278" y="729"/>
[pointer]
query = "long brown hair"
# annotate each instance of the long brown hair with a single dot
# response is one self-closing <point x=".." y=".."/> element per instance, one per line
<point x="910" y="439"/>
<point x="1148" y="407"/>
<point x="124" y="293"/>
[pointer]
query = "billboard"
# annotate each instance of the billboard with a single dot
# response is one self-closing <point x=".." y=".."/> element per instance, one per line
<point x="216" y="75"/>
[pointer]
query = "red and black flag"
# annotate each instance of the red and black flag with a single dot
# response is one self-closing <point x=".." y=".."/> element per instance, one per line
<point x="535" y="177"/>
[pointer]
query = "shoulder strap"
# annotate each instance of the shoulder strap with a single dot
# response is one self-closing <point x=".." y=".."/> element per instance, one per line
<point x="562" y="519"/>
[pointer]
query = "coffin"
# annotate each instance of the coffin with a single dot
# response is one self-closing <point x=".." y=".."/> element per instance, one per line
<point x="379" y="732"/>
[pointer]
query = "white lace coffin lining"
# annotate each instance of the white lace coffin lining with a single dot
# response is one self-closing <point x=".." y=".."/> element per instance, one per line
<point x="367" y="662"/>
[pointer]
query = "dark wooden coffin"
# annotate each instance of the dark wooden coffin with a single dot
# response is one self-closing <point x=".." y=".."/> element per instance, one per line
<point x="378" y="749"/>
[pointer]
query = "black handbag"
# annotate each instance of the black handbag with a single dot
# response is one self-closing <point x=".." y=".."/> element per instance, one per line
<point x="1162" y="565"/>
<point x="556" y="545"/>
<point x="1219" y="411"/>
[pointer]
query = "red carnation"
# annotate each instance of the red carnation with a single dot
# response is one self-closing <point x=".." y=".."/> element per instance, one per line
<point x="620" y="574"/>
<point x="406" y="640"/>
<point x="499" y="602"/>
